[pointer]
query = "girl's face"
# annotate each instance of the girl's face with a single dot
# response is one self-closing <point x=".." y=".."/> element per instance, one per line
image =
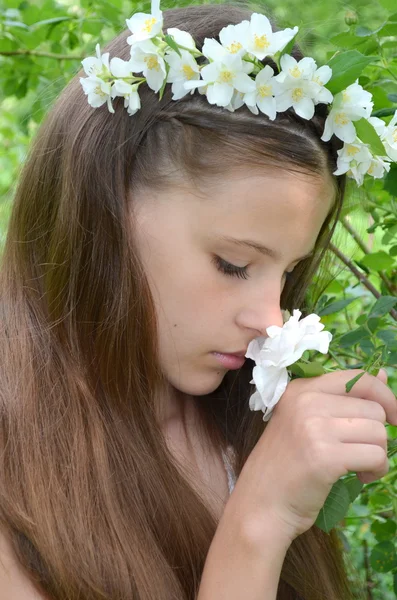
<point x="181" y="238"/>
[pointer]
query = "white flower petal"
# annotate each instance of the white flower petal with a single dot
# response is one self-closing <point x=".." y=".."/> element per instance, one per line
<point x="304" y="108"/>
<point x="182" y="38"/>
<point x="213" y="49"/>
<point x="120" y="68"/>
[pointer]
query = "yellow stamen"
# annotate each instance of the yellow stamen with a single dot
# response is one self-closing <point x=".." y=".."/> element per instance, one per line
<point x="297" y="94"/>
<point x="149" y="25"/>
<point x="394" y="134"/>
<point x="295" y="72"/>
<point x="264" y="90"/>
<point x="345" y="96"/>
<point x="226" y="77"/>
<point x="317" y="79"/>
<point x="261" y="42"/>
<point x="152" y="62"/>
<point x="188" y="71"/>
<point x="352" y="150"/>
<point x="341" y="119"/>
<point x="98" y="90"/>
<point x="234" y="47"/>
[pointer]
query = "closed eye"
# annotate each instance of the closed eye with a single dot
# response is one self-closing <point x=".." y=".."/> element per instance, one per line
<point x="231" y="270"/>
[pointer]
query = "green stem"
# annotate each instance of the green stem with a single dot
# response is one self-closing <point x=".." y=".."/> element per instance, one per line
<point x="41" y="54"/>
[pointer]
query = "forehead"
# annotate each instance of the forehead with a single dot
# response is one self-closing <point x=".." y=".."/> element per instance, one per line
<point x="262" y="196"/>
<point x="282" y="210"/>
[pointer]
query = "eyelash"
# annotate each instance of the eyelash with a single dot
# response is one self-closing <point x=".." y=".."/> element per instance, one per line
<point x="228" y="269"/>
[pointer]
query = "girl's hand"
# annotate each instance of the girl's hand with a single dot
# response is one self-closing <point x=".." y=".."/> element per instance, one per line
<point x="317" y="434"/>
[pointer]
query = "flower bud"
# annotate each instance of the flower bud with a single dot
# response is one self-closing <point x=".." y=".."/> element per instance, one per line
<point x="351" y="17"/>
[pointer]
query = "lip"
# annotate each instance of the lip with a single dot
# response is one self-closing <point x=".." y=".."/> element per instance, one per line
<point x="230" y="361"/>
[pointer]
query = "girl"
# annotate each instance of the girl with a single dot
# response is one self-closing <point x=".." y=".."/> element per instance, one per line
<point x="142" y="252"/>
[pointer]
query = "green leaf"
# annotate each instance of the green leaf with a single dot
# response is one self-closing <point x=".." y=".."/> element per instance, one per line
<point x="383" y="557"/>
<point x="388" y="4"/>
<point x="390" y="235"/>
<point x="389" y="337"/>
<point x="367" y="134"/>
<point x="312" y="369"/>
<point x="380" y="500"/>
<point x="378" y="261"/>
<point x="53" y="21"/>
<point x="382" y="306"/>
<point x="353" y="486"/>
<point x="384" y="531"/>
<point x="346" y="40"/>
<point x="373" y="323"/>
<point x="335" y="507"/>
<point x="172" y="43"/>
<point x="16" y="24"/>
<point x="346" y="68"/>
<point x="353" y="337"/>
<point x="393" y="251"/>
<point x="335" y="306"/>
<point x="351" y="382"/>
<point x="384" y="112"/>
<point x="390" y="29"/>
<point x="296" y="370"/>
<point x="361" y="319"/>
<point x="390" y="183"/>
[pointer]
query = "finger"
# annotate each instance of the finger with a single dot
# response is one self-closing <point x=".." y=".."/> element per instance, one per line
<point x="359" y="431"/>
<point x="356" y="408"/>
<point x="367" y="458"/>
<point x="368" y="387"/>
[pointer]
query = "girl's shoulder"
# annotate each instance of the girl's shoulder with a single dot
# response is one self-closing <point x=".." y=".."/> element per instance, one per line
<point x="14" y="582"/>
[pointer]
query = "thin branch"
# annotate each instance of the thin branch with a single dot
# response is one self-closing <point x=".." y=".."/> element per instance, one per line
<point x="368" y="577"/>
<point x="38" y="53"/>
<point x="366" y="250"/>
<point x="360" y="276"/>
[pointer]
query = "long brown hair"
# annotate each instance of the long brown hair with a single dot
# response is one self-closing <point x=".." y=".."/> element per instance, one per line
<point x="93" y="502"/>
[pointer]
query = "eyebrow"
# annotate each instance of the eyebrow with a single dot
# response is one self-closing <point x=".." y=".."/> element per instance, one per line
<point x="259" y="247"/>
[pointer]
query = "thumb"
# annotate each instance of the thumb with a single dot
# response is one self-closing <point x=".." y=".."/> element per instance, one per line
<point x="382" y="375"/>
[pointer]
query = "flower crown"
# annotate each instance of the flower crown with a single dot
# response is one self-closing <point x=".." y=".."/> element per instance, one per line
<point x="234" y="76"/>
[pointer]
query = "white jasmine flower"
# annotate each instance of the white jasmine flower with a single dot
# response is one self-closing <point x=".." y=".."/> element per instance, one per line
<point x="350" y="105"/>
<point x="263" y="96"/>
<point x="236" y="101"/>
<point x="302" y="86"/>
<point x="120" y="68"/>
<point x="95" y="86"/>
<point x="97" y="66"/>
<point x="355" y="160"/>
<point x="283" y="347"/>
<point x="145" y="26"/>
<point x="378" y="125"/>
<point x="379" y="166"/>
<point x="388" y="134"/>
<point x="98" y="91"/>
<point x="213" y="50"/>
<point x="223" y="77"/>
<point x="182" y="38"/>
<point x="145" y="58"/>
<point x="256" y="37"/>
<point x="182" y="68"/>
<point x="129" y="92"/>
<point x="233" y="37"/>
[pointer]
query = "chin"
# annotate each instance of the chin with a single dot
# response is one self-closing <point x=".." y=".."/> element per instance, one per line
<point x="198" y="384"/>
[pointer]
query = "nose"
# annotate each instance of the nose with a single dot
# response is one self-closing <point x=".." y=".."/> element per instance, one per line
<point x="260" y="316"/>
